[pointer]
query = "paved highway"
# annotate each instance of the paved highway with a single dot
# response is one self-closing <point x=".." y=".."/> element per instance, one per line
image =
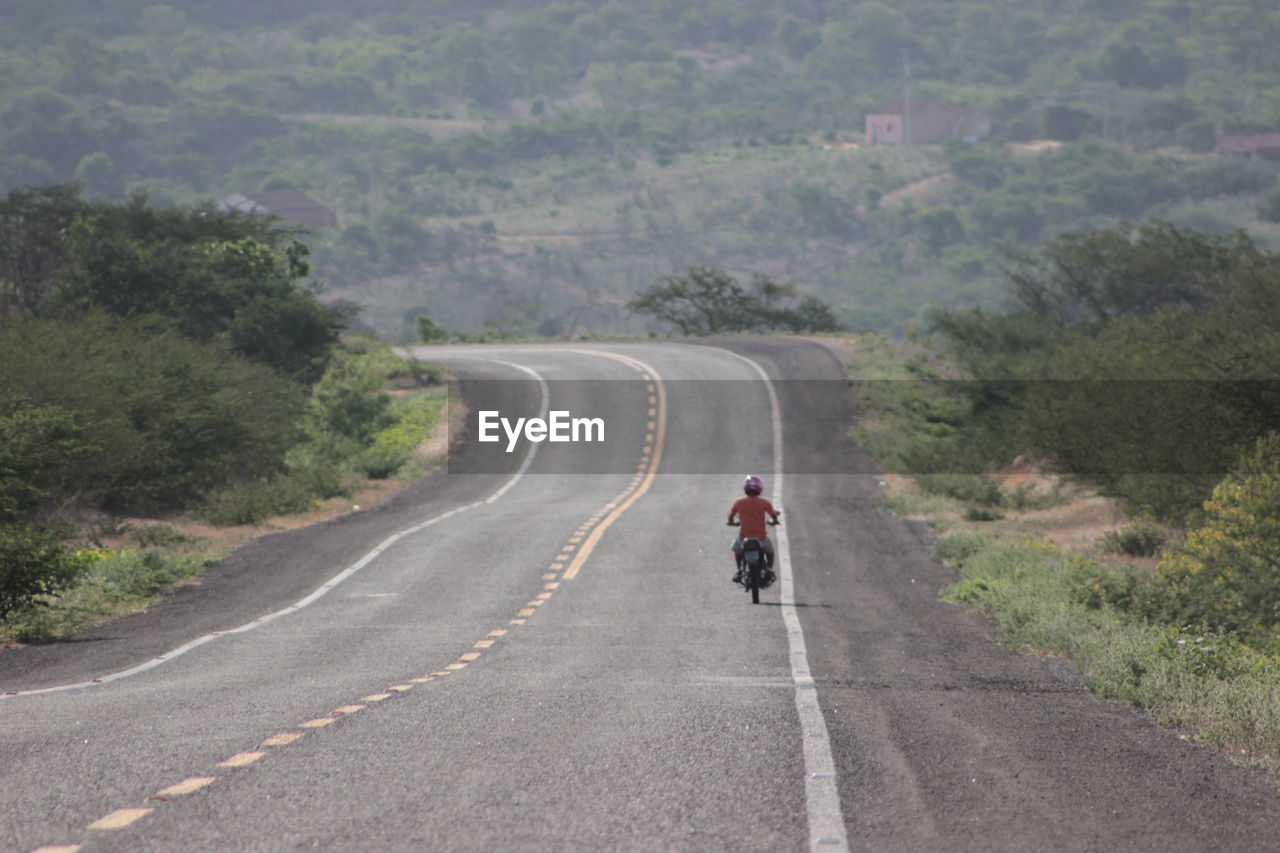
<point x="541" y="650"/>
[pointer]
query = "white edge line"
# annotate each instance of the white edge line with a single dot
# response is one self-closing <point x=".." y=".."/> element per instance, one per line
<point x="324" y="588"/>
<point x="821" y="791"/>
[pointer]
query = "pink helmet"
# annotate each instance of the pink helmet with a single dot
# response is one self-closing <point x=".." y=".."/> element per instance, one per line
<point x="752" y="484"/>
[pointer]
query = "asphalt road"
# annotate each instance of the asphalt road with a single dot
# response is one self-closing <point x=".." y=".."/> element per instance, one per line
<point x="543" y="652"/>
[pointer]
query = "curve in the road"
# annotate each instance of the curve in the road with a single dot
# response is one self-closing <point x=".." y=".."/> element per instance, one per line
<point x="324" y="588"/>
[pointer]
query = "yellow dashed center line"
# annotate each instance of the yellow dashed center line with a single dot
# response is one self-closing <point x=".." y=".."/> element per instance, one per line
<point x="241" y="759"/>
<point x="187" y="786"/>
<point x="573" y="554"/>
<point x="319" y="723"/>
<point x="119" y="819"/>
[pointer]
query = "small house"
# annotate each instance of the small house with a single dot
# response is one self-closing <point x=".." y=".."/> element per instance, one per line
<point x="929" y="121"/>
<point x="1252" y="145"/>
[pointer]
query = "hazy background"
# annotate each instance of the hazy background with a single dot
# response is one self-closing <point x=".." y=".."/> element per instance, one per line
<point x="529" y="166"/>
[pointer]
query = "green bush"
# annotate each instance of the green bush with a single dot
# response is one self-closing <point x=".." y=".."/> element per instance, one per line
<point x="171" y="418"/>
<point x="1139" y="539"/>
<point x="109" y="583"/>
<point x="959" y="547"/>
<point x="33" y="566"/>
<point x="979" y="512"/>
<point x="160" y="536"/>
<point x="394" y="447"/>
<point x="981" y="491"/>
<point x="1225" y="576"/>
<point x="282" y="495"/>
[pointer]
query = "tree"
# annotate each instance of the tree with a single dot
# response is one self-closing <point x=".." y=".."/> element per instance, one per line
<point x="1088" y="277"/>
<point x="34" y="224"/>
<point x="210" y="274"/>
<point x="707" y="301"/>
<point x="428" y="331"/>
<point x="1226" y="574"/>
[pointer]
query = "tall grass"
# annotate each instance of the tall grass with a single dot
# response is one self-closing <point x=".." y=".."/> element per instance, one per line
<point x="1221" y="692"/>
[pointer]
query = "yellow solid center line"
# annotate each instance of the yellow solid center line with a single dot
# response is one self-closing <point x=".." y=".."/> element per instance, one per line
<point x="119" y="819"/>
<point x="241" y="759"/>
<point x="657" y="442"/>
<point x="187" y="786"/>
<point x="319" y="723"/>
<point x="375" y="697"/>
<point x="282" y="739"/>
<point x="399" y="688"/>
<point x="58" y="848"/>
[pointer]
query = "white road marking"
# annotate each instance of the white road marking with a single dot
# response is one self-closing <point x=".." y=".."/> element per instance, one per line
<point x="821" y="791"/>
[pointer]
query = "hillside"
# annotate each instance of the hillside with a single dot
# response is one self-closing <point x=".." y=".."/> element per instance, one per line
<point x="527" y="166"/>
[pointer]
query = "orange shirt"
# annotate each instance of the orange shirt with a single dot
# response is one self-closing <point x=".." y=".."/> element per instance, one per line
<point x="751" y="512"/>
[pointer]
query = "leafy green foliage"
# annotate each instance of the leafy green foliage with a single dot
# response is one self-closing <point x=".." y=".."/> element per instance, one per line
<point x="210" y="274"/>
<point x="33" y="566"/>
<point x="107" y="583"/>
<point x="1142" y="360"/>
<point x="1226" y="574"/>
<point x="1137" y="539"/>
<point x="41" y="448"/>
<point x="154" y="420"/>
<point x="707" y="301"/>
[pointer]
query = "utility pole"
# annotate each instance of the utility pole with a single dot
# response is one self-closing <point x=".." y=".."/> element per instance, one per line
<point x="906" y="96"/>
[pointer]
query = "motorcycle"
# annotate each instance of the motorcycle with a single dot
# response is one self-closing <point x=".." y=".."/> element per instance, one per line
<point x="753" y="565"/>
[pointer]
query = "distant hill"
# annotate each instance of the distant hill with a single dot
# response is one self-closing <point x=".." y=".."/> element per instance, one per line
<point x="639" y="137"/>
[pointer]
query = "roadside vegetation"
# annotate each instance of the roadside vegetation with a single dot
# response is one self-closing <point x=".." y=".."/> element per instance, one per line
<point x="1102" y="464"/>
<point x="169" y="364"/>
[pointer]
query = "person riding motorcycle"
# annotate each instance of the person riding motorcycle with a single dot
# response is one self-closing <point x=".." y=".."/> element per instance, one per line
<point x="751" y="510"/>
